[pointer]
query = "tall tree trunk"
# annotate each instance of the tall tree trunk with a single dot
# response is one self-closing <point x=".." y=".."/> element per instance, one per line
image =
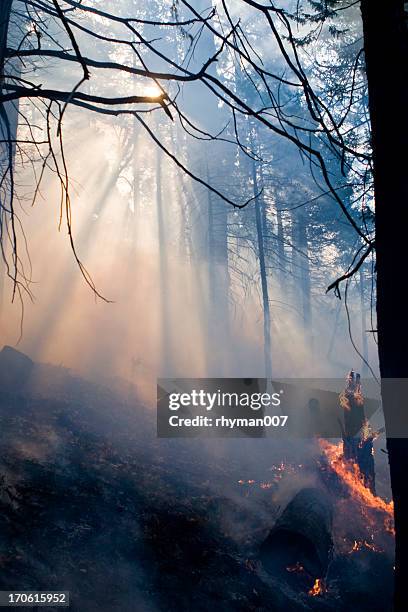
<point x="165" y="358"/>
<point x="305" y="284"/>
<point x="301" y="271"/>
<point x="135" y="217"/>
<point x="218" y="279"/>
<point x="179" y="146"/>
<point x="264" y="280"/>
<point x="385" y="44"/>
<point x="334" y="331"/>
<point x="280" y="237"/>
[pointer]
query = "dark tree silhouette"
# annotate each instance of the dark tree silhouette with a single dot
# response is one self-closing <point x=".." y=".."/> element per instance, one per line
<point x="388" y="97"/>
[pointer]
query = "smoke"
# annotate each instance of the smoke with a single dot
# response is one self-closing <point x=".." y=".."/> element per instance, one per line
<point x="162" y="318"/>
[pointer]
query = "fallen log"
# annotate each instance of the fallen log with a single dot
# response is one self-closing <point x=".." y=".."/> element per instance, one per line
<point x="301" y="537"/>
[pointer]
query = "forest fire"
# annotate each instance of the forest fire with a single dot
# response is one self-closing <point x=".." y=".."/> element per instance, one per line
<point x="318" y="588"/>
<point x="350" y="475"/>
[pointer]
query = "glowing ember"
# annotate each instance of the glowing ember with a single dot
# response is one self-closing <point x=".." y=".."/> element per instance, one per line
<point x="283" y="468"/>
<point x="359" y="545"/>
<point x="318" y="588"/>
<point x="351" y="476"/>
<point x="356" y="546"/>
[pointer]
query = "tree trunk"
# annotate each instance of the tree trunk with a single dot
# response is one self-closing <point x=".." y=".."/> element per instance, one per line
<point x="385" y="43"/>
<point x="165" y="323"/>
<point x="305" y="274"/>
<point x="218" y="278"/>
<point x="301" y="271"/>
<point x="280" y="236"/>
<point x="264" y="279"/>
<point x="135" y="217"/>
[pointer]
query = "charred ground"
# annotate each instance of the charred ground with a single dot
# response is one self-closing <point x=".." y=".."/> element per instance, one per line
<point x="93" y="503"/>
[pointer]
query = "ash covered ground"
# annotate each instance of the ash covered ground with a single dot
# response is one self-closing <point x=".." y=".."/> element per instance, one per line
<point x="93" y="503"/>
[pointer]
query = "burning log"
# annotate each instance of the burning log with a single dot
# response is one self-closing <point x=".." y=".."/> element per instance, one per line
<point x="301" y="537"/>
<point x="357" y="436"/>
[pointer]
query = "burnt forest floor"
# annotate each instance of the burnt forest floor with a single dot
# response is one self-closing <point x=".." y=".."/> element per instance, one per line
<point x="93" y="503"/>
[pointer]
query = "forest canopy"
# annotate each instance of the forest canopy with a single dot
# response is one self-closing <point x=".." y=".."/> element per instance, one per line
<point x="262" y="72"/>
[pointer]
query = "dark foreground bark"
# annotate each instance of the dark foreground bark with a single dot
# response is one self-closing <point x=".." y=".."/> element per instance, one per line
<point x="385" y="40"/>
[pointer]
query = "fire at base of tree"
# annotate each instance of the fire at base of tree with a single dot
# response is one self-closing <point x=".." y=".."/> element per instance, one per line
<point x="327" y="536"/>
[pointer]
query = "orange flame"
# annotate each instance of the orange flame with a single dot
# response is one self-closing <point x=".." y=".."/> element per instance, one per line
<point x="351" y="476"/>
<point x="354" y="394"/>
<point x="359" y="545"/>
<point x="318" y="588"/>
